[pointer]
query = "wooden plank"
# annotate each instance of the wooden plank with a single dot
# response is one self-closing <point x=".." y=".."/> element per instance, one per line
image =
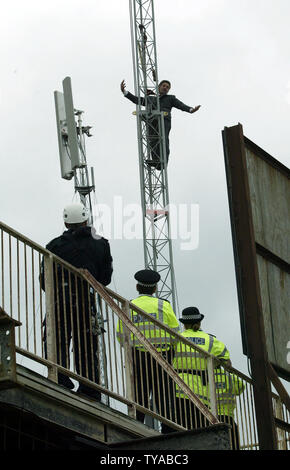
<point x="275" y="288"/>
<point x="270" y="196"/>
<point x="269" y="191"/>
<point x="248" y="281"/>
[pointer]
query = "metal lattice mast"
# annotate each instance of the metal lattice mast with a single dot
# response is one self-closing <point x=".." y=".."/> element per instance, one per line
<point x="151" y="141"/>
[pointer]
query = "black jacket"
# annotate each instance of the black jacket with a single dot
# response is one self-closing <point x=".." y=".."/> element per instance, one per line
<point x="82" y="250"/>
<point x="167" y="102"/>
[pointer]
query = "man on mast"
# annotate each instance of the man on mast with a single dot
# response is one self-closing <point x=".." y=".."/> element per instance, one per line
<point x="167" y="102"/>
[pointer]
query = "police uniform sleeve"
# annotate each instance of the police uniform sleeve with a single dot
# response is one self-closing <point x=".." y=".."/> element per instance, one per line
<point x="120" y="332"/>
<point x="170" y="318"/>
<point x="220" y="350"/>
<point x="107" y="269"/>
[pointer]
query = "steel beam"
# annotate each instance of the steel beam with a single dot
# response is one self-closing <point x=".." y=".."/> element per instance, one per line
<point x="157" y="244"/>
<point x="248" y="282"/>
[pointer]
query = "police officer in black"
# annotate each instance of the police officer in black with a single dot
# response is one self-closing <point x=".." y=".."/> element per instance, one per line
<point x="74" y="302"/>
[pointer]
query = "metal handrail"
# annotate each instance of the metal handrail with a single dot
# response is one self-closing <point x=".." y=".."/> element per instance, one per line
<point x="25" y="301"/>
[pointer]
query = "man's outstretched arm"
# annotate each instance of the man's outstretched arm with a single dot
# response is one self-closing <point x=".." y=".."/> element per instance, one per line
<point x="130" y="96"/>
<point x="193" y="110"/>
<point x="183" y="107"/>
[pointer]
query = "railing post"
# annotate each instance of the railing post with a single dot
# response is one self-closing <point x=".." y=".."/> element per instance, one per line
<point x="8" y="375"/>
<point x="281" y="434"/>
<point x="128" y="363"/>
<point x="50" y="316"/>
<point x="212" y="387"/>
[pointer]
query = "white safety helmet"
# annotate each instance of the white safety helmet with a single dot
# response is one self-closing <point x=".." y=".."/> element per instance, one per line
<point x="75" y="213"/>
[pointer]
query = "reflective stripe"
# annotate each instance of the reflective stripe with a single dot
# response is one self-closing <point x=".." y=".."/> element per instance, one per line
<point x="161" y="339"/>
<point x="153" y="328"/>
<point x="223" y="353"/>
<point x="181" y="394"/>
<point x="220" y="375"/>
<point x="226" y="402"/>
<point x="145" y="327"/>
<point x="157" y="340"/>
<point x="192" y="354"/>
<point x="160" y="310"/>
<point x="226" y="395"/>
<point x="211" y="340"/>
<point x="158" y="348"/>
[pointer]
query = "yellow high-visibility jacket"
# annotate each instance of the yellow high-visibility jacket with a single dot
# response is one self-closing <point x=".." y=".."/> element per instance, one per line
<point x="228" y="386"/>
<point x="195" y="383"/>
<point x="157" y="308"/>
<point x="186" y="358"/>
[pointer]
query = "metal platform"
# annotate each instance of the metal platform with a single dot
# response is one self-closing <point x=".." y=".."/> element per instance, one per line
<point x="53" y="417"/>
<point x="76" y="414"/>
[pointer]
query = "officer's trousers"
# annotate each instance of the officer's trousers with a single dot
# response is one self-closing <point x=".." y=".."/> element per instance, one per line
<point x="234" y="432"/>
<point x="152" y="382"/>
<point x="73" y="322"/>
<point x="188" y="415"/>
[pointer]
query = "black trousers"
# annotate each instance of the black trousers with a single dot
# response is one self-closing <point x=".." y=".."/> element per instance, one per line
<point x="188" y="415"/>
<point x="153" y="131"/>
<point x="234" y="432"/>
<point x="151" y="381"/>
<point x="73" y="321"/>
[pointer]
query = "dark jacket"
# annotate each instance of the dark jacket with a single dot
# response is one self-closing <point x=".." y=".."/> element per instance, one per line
<point x="167" y="102"/>
<point x="82" y="250"/>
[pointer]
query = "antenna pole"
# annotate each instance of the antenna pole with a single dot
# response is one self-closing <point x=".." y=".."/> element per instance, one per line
<point x="82" y="185"/>
<point x="71" y="138"/>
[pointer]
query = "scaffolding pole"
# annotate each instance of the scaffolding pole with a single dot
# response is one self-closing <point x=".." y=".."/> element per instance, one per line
<point x="157" y="241"/>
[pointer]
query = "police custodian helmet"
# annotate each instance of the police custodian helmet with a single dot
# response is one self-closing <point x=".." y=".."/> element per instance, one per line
<point x="191" y="315"/>
<point x="147" y="277"/>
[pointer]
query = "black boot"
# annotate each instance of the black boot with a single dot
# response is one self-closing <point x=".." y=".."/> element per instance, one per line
<point x="65" y="381"/>
<point x="89" y="392"/>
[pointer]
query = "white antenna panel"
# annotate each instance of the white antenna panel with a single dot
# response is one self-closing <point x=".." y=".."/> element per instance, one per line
<point x="64" y="153"/>
<point x="76" y="161"/>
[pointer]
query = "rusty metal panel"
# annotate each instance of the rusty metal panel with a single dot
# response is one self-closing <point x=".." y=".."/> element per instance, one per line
<point x="259" y="192"/>
<point x="270" y="196"/>
<point x="275" y="289"/>
<point x="247" y="278"/>
<point x="269" y="188"/>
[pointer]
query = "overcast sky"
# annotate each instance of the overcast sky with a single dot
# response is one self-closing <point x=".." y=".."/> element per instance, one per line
<point x="230" y="56"/>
